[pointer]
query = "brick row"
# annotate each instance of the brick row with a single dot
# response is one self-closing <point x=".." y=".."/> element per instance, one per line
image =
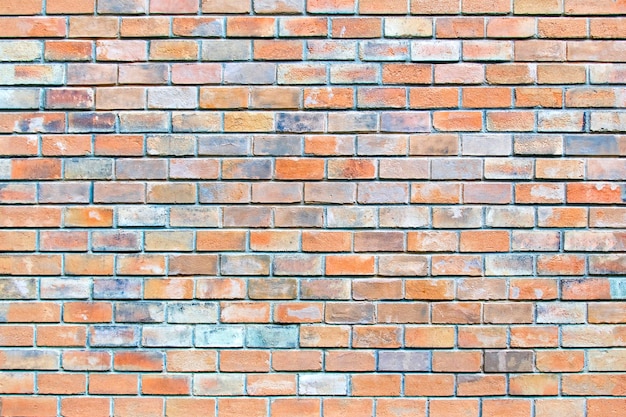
<point x="330" y="146"/>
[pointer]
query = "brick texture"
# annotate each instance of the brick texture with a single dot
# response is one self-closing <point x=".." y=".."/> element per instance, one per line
<point x="313" y="207"/>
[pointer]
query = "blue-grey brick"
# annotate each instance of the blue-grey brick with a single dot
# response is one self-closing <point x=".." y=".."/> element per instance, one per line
<point x="117" y="288"/>
<point x="151" y="169"/>
<point x="561" y="312"/>
<point x="351" y="217"/>
<point x="455" y="169"/>
<point x="14" y="98"/>
<point x="508" y="265"/>
<point x="297" y="264"/>
<point x="293" y="122"/>
<point x="144" y="121"/>
<point x="209" y="28"/>
<point x="219" y="384"/>
<point x="172" y="97"/>
<point x="142" y="312"/>
<point x="122" y="6"/>
<point x="384" y="50"/>
<point x="487" y="144"/>
<point x="597" y="145"/>
<point x="194" y="216"/>
<point x="353" y="122"/>
<point x="609" y="264"/>
<point x="5" y="169"/>
<point x="404" y="361"/>
<point x="175" y="145"/>
<point x="167" y="336"/>
<point x="272" y="336"/>
<point x="323" y="384"/>
<point x="457" y="217"/>
<point x="192" y="312"/>
<point x="284" y="6"/>
<point x="148" y="216"/>
<point x="275" y="145"/>
<point x="18" y="289"/>
<point x="14" y="359"/>
<point x="114" y="336"/>
<point x="89" y="122"/>
<point x="251" y="168"/>
<point x="510" y="217"/>
<point x="116" y="241"/>
<point x="391" y="145"/>
<point x="250" y="73"/>
<point x="226" y="50"/>
<point x="64" y="288"/>
<point x="224" y="192"/>
<point x="65" y="192"/>
<point x="219" y="336"/>
<point x="505" y="361"/>
<point x="405" y="121"/>
<point x="618" y="288"/>
<point x="245" y="264"/>
<point x="298" y="216"/>
<point x="225" y="145"/>
<point x="404" y="217"/>
<point x="88" y="168"/>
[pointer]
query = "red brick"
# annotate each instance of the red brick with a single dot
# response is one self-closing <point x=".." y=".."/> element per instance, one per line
<point x="29" y="406"/>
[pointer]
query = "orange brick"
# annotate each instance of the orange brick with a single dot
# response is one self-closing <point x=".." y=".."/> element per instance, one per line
<point x="262" y="27"/>
<point x="430" y="337"/>
<point x="479" y="97"/>
<point x="376" y="385"/>
<point x="350" y="361"/>
<point x="350" y="265"/>
<point x="515" y="121"/>
<point x="135" y="407"/>
<point x="466" y="27"/>
<point x="481" y="385"/>
<point x="336" y="407"/>
<point x="26" y="7"/>
<point x="305" y="407"/>
<point x="363" y="27"/>
<point x="165" y="385"/>
<point x="564" y="361"/>
<point x="328" y="98"/>
<point x="534" y="385"/>
<point x="485" y="241"/>
<point x="278" y="50"/>
<point x="272" y="384"/>
<point x="35" y="406"/>
<point x="389" y="7"/>
<point x="244" y="361"/>
<point x="73" y="336"/>
<point x="65" y="384"/>
<point x="298" y="313"/>
<point x="510" y="407"/>
<point x="433" y="98"/>
<point x="110" y="384"/>
<point x="299" y="168"/>
<point x="457" y="121"/>
<point x="183" y="407"/>
<point x="298" y="360"/>
<point x="456" y="407"/>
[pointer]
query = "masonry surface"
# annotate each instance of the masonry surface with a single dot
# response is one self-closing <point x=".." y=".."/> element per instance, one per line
<point x="313" y="208"/>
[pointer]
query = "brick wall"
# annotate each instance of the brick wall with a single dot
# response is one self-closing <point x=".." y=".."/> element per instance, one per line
<point x="313" y="208"/>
